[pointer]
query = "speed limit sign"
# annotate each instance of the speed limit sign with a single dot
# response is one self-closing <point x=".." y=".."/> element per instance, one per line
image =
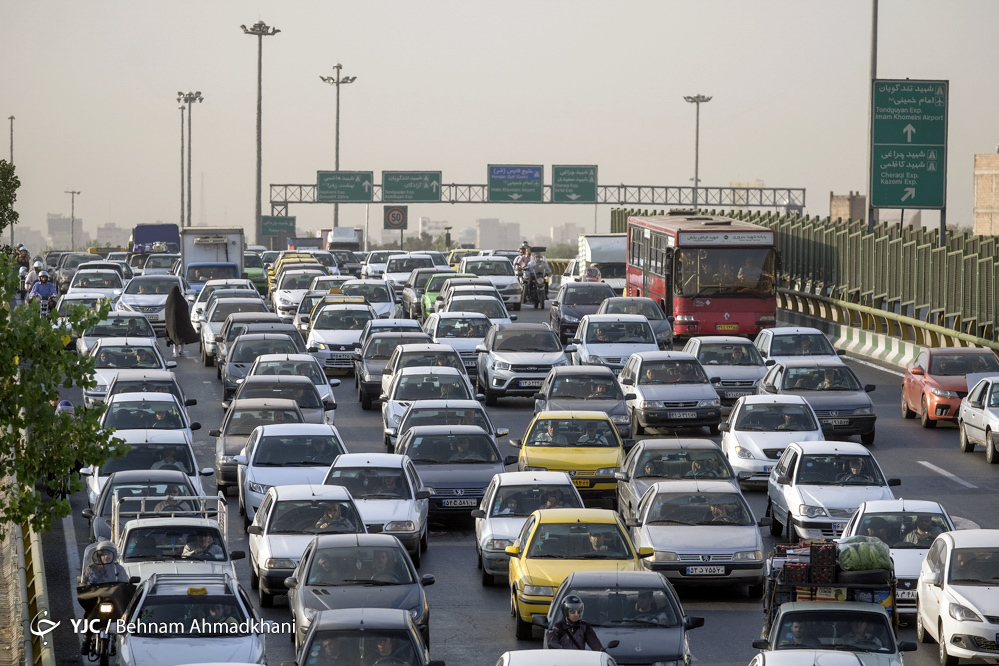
<point x="396" y="217"/>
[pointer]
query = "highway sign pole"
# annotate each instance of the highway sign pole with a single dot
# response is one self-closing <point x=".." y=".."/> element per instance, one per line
<point x="870" y="117"/>
<point x="396" y="217"/>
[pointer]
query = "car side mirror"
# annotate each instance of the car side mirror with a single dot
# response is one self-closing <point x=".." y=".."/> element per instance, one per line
<point x="291" y="582"/>
<point x="390" y="432"/>
<point x="478" y="513"/>
<point x="195" y="426"/>
<point x="646" y="552"/>
<point x="513" y="317"/>
<point x="86" y="471"/>
<point x="628" y="444"/>
<point x="621" y="476"/>
<point x="539" y="396"/>
<point x="423" y="494"/>
<point x="171" y="364"/>
<point x="715" y="380"/>
<point x="502" y="432"/>
<point x="481" y="397"/>
<point x="759" y="644"/>
<point x="226" y="404"/>
<point x="894" y="482"/>
<point x="770" y="362"/>
<point x="554" y="303"/>
<point x="840" y="352"/>
<point x="631" y="521"/>
<point x="190" y="402"/>
<point x="88" y="514"/>
<point x="481" y="349"/>
<point x="934" y="579"/>
<point x="427" y="579"/>
<point x="255" y="529"/>
<point x="355" y="355"/>
<point x="744" y="476"/>
<point x="907" y="646"/>
<point x="540" y="621"/>
<point x="237" y="555"/>
<point x="516" y="443"/>
<point x="783" y="480"/>
<point x="513" y="550"/>
<point x="631" y="396"/>
<point x="334" y="383"/>
<point x="383" y="397"/>
<point x="724" y="426"/>
<point x="916" y="371"/>
<point x="239" y="459"/>
<point x="312" y="350"/>
<point x="629" y="382"/>
<point x="576" y="341"/>
<point x="870" y="388"/>
<point x="329" y="406"/>
<point x="206" y="471"/>
<point x="510" y="460"/>
<point x="214" y="433"/>
<point x="693" y="622"/>
<point x="570" y="348"/>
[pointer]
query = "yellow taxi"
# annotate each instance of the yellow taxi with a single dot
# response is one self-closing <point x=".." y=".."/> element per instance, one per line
<point x="456" y="256"/>
<point x="585" y="445"/>
<point x="556" y="542"/>
<point x="286" y="260"/>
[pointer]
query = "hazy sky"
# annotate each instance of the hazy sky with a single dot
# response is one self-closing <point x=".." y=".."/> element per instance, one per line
<point x="454" y="86"/>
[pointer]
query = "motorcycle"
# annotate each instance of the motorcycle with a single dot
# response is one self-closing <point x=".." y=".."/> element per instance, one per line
<point x="535" y="288"/>
<point x="22" y="289"/>
<point x="103" y="604"/>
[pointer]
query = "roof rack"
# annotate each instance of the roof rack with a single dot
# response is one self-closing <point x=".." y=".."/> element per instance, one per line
<point x="203" y="507"/>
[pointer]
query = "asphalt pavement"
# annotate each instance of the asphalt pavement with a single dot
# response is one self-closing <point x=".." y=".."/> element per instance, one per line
<point x="471" y="624"/>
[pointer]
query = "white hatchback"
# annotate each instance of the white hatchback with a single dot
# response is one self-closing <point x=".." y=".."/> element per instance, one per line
<point x="759" y="429"/>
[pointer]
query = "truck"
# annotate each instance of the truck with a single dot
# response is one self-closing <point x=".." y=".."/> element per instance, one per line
<point x="147" y="235"/>
<point x="211" y="253"/>
<point x="305" y="242"/>
<point x="345" y="238"/>
<point x="605" y="252"/>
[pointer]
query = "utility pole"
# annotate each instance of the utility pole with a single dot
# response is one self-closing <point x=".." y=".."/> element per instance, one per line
<point x="870" y="105"/>
<point x="259" y="30"/>
<point x="11" y="118"/>
<point x="182" y="165"/>
<point x="189" y="99"/>
<point x="337" y="81"/>
<point x="698" y="100"/>
<point x="72" y="218"/>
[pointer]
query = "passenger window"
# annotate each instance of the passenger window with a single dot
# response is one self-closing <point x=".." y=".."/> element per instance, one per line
<point x="792" y="462"/>
<point x="934" y="558"/>
<point x="524" y="533"/>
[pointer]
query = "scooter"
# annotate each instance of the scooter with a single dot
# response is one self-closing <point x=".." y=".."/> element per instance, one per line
<point x="105" y="603"/>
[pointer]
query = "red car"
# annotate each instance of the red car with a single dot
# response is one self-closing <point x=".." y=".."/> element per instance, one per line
<point x="935" y="383"/>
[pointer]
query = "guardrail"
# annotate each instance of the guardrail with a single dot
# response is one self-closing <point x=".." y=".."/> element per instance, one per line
<point x="37" y="597"/>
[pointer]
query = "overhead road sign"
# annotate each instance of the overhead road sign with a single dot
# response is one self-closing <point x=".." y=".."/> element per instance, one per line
<point x="277" y="225"/>
<point x="396" y="217"/>
<point x="516" y="183"/>
<point x="411" y="186"/>
<point x="344" y="186"/>
<point x="574" y="184"/>
<point x="909" y="144"/>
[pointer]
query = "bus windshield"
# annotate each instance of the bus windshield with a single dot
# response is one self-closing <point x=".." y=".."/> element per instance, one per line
<point x="724" y="272"/>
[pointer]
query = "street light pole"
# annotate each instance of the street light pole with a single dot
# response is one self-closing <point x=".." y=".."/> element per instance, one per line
<point x="337" y="81"/>
<point x="259" y="30"/>
<point x="189" y="99"/>
<point x="11" y="118"/>
<point x="182" y="108"/>
<point x="698" y="100"/>
<point x="72" y="217"/>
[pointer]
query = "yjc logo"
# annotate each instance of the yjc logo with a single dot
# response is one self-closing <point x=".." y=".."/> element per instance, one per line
<point x="41" y="627"/>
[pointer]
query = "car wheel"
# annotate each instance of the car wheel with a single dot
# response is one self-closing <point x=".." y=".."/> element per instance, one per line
<point x="776" y="528"/>
<point x="239" y="503"/>
<point x="487" y="578"/>
<point x="266" y="599"/>
<point x="490" y="398"/>
<point x="906" y="412"/>
<point x="524" y="629"/>
<point x="254" y="577"/>
<point x="966" y="444"/>
<point x="921" y="634"/>
<point x="992" y="449"/>
<point x="713" y="429"/>
<point x="205" y="360"/>
<point x="635" y="425"/>
<point x="867" y="437"/>
<point x="417" y="557"/>
<point x="364" y="399"/>
<point x="388" y="443"/>
<point x="945" y="659"/>
<point x="756" y="591"/>
<point x="924" y="415"/>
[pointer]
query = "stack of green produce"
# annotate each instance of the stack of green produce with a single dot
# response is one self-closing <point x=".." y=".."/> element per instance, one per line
<point x="861" y="553"/>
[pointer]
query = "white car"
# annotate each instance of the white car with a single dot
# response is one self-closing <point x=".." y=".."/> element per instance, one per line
<point x="958" y="606"/>
<point x="283" y="455"/>
<point x="399" y="266"/>
<point x="421" y="383"/>
<point x="462" y="330"/>
<point x="734" y="360"/>
<point x="115" y="325"/>
<point x="499" y="271"/>
<point x="760" y="427"/>
<point x="159" y="264"/>
<point x="107" y="283"/>
<point x="610" y="339"/>
<point x="147" y="294"/>
<point x="199" y="302"/>
<point x="148" y="411"/>
<point x="378" y="293"/>
<point x="908" y="527"/>
<point x="703" y="533"/>
<point x="288" y="292"/>
<point x="791" y="343"/>
<point x="555" y="658"/>
<point x="328" y="282"/>
<point x="978" y="417"/>
<point x="215" y="319"/>
<point x="816" y="487"/>
<point x="492" y="308"/>
<point x="113" y="354"/>
<point x="510" y="498"/>
<point x="374" y="265"/>
<point x="389" y="495"/>
<point x="427" y="354"/>
<point x="304" y="365"/>
<point x="334" y="331"/>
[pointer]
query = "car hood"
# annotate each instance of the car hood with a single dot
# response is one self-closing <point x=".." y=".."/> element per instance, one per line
<point x="842" y="497"/>
<point x="358" y="596"/>
<point x="465" y="476"/>
<point x="188" y="650"/>
<point x="578" y="311"/>
<point x="383" y="310"/>
<point x="573" y="457"/>
<point x="908" y="561"/>
<point x="329" y="337"/>
<point x="736" y="372"/>
<point x="651" y="644"/>
<point x="317" y="415"/>
<point x="145" y="300"/>
<point x="612" y="407"/>
<point x="188" y="567"/>
<point x="288" y="476"/>
<point x="213" y="327"/>
<point x="529" y="358"/>
<point x="285" y="546"/>
<point x="677" y="392"/>
<point x="105" y="375"/>
<point x="375" y="367"/>
<point x="500" y="281"/>
<point x="553" y="572"/>
<point x="106" y="293"/>
<point x="679" y="538"/>
<point x="839" y="658"/>
<point x="293" y="295"/>
<point x="503" y="528"/>
<point x="461" y="344"/>
<point x="236" y="370"/>
<point x="778" y="439"/>
<point x="384" y="510"/>
<point x="983" y="598"/>
<point x="823" y="400"/>
<point x="621" y="350"/>
<point x="233" y="444"/>
<point x="396" y="277"/>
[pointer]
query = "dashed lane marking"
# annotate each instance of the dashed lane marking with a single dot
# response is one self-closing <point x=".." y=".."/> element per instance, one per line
<point x="942" y="472"/>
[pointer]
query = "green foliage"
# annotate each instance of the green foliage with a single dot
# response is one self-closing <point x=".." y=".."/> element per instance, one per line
<point x="562" y="251"/>
<point x="8" y="194"/>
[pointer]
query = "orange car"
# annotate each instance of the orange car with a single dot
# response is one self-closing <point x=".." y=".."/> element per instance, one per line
<point x="934" y="384"/>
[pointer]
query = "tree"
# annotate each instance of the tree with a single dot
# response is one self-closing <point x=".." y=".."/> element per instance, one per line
<point x="38" y="447"/>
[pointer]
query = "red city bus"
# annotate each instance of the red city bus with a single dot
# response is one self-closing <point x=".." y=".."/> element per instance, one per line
<point x="715" y="275"/>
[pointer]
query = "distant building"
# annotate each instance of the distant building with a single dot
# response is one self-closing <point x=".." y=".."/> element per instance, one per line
<point x="33" y="239"/>
<point x="567" y="233"/>
<point x="112" y="235"/>
<point x="433" y="227"/>
<point x="63" y="235"/>
<point x="491" y="234"/>
<point x="987" y="194"/>
<point x="852" y="206"/>
<point x="467" y="238"/>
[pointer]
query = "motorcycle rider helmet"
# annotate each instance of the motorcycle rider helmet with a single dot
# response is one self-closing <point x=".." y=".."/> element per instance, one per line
<point x="64" y="407"/>
<point x="104" y="549"/>
<point x="43" y="274"/>
<point x="572" y="603"/>
<point x="38" y="265"/>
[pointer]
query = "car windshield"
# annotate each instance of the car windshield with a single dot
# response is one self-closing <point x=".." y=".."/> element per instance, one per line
<point x="949" y="365"/>
<point x="192" y="615"/>
<point x="373" y="293"/>
<point x="96" y="281"/>
<point x="578" y="541"/>
<point x="514" y="501"/>
<point x="114" y="356"/>
<point x="142" y="415"/>
<point x="305" y="395"/>
<point x="617" y="333"/>
<point x="682" y="464"/>
<point x="625" y="607"/>
<point x="308" y="303"/>
<point x="225" y="307"/>
<point x="151" y="286"/>
<point x="211" y="272"/>
<point x="974" y="566"/>
<point x="441" y="359"/>
<point x="246" y="351"/>
<point x="242" y="421"/>
<point x="339" y="646"/>
<point x="334" y="567"/>
<point x="344" y="257"/>
<point x="137" y="260"/>
<point x="540" y="340"/>
<point x="380" y="347"/>
<point x="586" y="388"/>
<point x="589" y="294"/>
<point x="490" y="307"/>
<point x="297" y="451"/>
<point x="835" y="630"/>
<point x="639" y="306"/>
<point x="270" y="256"/>
<point x="828" y="378"/>
<point x="421" y="280"/>
<point x="379" y="256"/>
<point x="712" y="272"/>
<point x="233" y="292"/>
<point x="772" y="417"/>
<point x="572" y="432"/>
<point x="335" y="319"/>
<point x="161" y="261"/>
<point x="315" y="516"/>
<point x="497" y="267"/>
<point x="729" y="354"/>
<point x="151" y="456"/>
<point x="371" y="482"/>
<point x="464" y="327"/>
<point x="181" y="542"/>
<point x="434" y="416"/>
<point x="297" y="280"/>
<point x="839" y="469"/>
<point x="408" y="264"/>
<point x="701" y="508"/>
<point x="431" y="387"/>
<point x="74" y="260"/>
<point x="308" y="369"/>
<point x="672" y="372"/>
<point x="444" y="449"/>
<point x="325" y="258"/>
<point x="252" y="260"/>
<point x="903" y="529"/>
<point x="437" y="281"/>
<point x="327" y="282"/>
<point x="117" y="326"/>
<point x="151" y="489"/>
<point x="801" y="344"/>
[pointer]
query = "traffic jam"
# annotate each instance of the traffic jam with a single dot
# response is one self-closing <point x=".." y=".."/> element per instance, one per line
<point x="662" y="400"/>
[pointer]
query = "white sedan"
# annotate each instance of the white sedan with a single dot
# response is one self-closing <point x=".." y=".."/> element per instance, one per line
<point x="421" y="383"/>
<point x="759" y="429"/>
<point x="113" y="354"/>
<point x="147" y="294"/>
<point x="978" y="418"/>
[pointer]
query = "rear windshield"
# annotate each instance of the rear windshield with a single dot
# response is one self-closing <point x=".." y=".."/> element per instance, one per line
<point x="371" y="482"/>
<point x="774" y="417"/>
<point x="244" y="420"/>
<point x="224" y="309"/>
<point x="743" y="354"/>
<point x="829" y="378"/>
<point x="498" y="267"/>
<point x="615" y="332"/>
<point x="212" y="272"/>
<point x="297" y="450"/>
<point x="489" y="307"/>
<point x="374" y="293"/>
<point x="588" y="295"/>
<point x="151" y="456"/>
<point x="148" y="287"/>
<point x="428" y="416"/>
<point x="674" y="464"/>
<point x="672" y="372"/>
<point x="307" y="397"/>
<point x="804" y="344"/>
<point x="452" y="449"/>
<point x="469" y="327"/>
<point x="643" y="307"/>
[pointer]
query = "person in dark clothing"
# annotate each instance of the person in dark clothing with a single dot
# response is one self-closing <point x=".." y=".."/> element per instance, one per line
<point x="179" y="330"/>
<point x="571" y="633"/>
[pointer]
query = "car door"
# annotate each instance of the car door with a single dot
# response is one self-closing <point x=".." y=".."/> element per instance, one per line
<point x="912" y="383"/>
<point x="487" y="501"/>
<point x="973" y="411"/>
<point x="241" y="470"/>
<point x="430" y="326"/>
<point x="929" y="596"/>
<point x="778" y="492"/>
<point x="422" y="505"/>
<point x="522" y="540"/>
<point x="545" y="391"/>
<point x="626" y="497"/>
<point x="556" y="313"/>
<point x="389" y="370"/>
<point x="260" y="520"/>
<point x="300" y="574"/>
<point x="771" y="380"/>
<point x="639" y="534"/>
<point x="762" y="343"/>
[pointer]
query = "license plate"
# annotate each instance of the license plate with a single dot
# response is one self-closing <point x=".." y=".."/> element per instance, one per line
<point x="726" y="327"/>
<point x="152" y="317"/>
<point x="736" y="394"/>
<point x="460" y="502"/>
<point x="705" y="571"/>
<point x="530" y="383"/>
<point x="766" y="470"/>
<point x="836" y="422"/>
<point x="581" y="483"/>
<point x="681" y="415"/>
<point x="470" y="364"/>
<point x="906" y="594"/>
<point x="838" y="527"/>
<point x="343" y="357"/>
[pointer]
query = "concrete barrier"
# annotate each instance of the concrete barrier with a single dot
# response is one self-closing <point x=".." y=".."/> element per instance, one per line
<point x="856" y="341"/>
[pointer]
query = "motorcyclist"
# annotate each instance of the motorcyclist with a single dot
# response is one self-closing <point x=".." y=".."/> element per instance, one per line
<point x="23" y="256"/>
<point x="43" y="290"/>
<point x="571" y="632"/>
<point x="522" y="259"/>
<point x="32" y="276"/>
<point x="104" y="567"/>
<point x="537" y="264"/>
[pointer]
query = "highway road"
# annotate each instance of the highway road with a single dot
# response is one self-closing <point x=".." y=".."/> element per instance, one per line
<point x="471" y="624"/>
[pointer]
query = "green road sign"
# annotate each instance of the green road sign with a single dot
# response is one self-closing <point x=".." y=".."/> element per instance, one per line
<point x="275" y="225"/>
<point x="513" y="183"/>
<point x="344" y="186"/>
<point x="574" y="184"/>
<point x="909" y="144"/>
<point x="411" y="186"/>
<point x="396" y="217"/>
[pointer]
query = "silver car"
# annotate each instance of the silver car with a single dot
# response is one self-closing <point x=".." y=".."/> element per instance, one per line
<point x="581" y="388"/>
<point x="608" y="340"/>
<point x="671" y="391"/>
<point x="735" y="361"/>
<point x="978" y="418"/>
<point x="662" y="325"/>
<point x="514" y="359"/>
<point x="462" y="330"/>
<point x="303" y="365"/>
<point x="115" y="325"/>
<point x="215" y="318"/>
<point x="148" y="294"/>
<point x="420" y="383"/>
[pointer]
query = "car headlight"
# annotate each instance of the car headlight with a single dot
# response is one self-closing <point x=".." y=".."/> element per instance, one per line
<point x="531" y="468"/>
<point x="709" y="403"/>
<point x="498" y="544"/>
<point x="664" y="335"/>
<point x="748" y="556"/>
<point x="943" y="393"/>
<point x="811" y="511"/>
<point x="501" y="365"/>
<point x="569" y="319"/>
<point x="320" y="345"/>
<point x="416" y="612"/>
<point x="227" y="460"/>
<point x="666" y="556"/>
<point x="559" y="364"/>
<point x="606" y="471"/>
<point x="310" y="614"/>
<point x="744" y="453"/>
<point x="594" y="360"/>
<point x="864" y="411"/>
<point x="620" y="418"/>
<point x="285" y="301"/>
<point x="538" y="590"/>
<point x="963" y="613"/>
<point x="279" y="563"/>
<point x="650" y="404"/>
<point x="122" y="305"/>
<point x="259" y="488"/>
<point x="400" y="526"/>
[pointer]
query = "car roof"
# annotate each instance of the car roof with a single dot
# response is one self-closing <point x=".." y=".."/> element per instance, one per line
<point x="845" y="448"/>
<point x="612" y="579"/>
<point x="795" y="362"/>
<point x="677" y="444"/>
<point x="842" y="606"/>
<point x="368" y="618"/>
<point x="602" y="516"/>
<point x="665" y="356"/>
<point x="357" y="539"/>
<point x="143" y="396"/>
<point x="258" y="316"/>
<point x="903" y="506"/>
<point x="573" y="414"/>
<point x="126" y="342"/>
<point x="446" y="404"/>
<point x="306" y="491"/>
<point x="722" y="340"/>
<point x="783" y="399"/>
<point x="186" y="584"/>
<point x="152" y="278"/>
<point x="522" y="326"/>
<point x="430" y="370"/>
<point x="257" y="403"/>
<point x="695" y="486"/>
<point x="117" y="313"/>
<point x="425" y="347"/>
<point x="150" y="475"/>
<point x="297" y="358"/>
<point x="82" y="295"/>
<point x="146" y="375"/>
<point x="582" y="371"/>
<point x="251" y="337"/>
<point x="587" y="285"/>
<point x="794" y="330"/>
<point x="974" y="538"/>
<point x="447" y="430"/>
<point x="462" y="315"/>
<point x="369" y="460"/>
<point x="532" y="478"/>
<point x="635" y="318"/>
<point x="388" y="323"/>
<point x="277" y="379"/>
<point x="287" y="429"/>
<point x="152" y="436"/>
